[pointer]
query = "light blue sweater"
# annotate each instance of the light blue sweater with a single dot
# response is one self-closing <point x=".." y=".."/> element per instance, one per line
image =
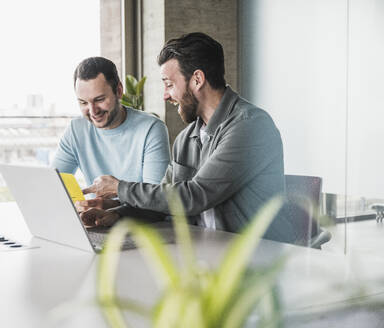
<point x="137" y="150"/>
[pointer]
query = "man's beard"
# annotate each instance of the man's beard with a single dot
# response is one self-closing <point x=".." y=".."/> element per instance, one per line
<point x="188" y="107"/>
<point x="112" y="115"/>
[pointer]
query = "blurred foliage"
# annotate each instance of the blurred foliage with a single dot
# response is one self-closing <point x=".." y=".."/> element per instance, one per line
<point x="192" y="295"/>
<point x="133" y="96"/>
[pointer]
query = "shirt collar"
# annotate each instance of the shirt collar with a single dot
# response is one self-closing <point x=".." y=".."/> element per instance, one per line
<point x="196" y="130"/>
<point x="221" y="113"/>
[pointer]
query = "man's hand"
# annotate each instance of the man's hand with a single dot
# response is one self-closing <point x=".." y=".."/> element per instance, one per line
<point x="100" y="203"/>
<point x="97" y="217"/>
<point x="104" y="186"/>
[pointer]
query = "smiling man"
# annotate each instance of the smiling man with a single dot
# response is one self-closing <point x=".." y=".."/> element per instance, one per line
<point x="226" y="163"/>
<point x="110" y="138"/>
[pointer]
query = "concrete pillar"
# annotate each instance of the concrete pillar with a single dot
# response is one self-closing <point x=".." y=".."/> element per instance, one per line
<point x="153" y="38"/>
<point x="110" y="32"/>
<point x="165" y="19"/>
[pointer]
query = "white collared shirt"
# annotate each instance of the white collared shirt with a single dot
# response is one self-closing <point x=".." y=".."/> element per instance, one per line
<point x="208" y="216"/>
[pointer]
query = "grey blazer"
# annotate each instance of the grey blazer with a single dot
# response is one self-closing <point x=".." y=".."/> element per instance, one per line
<point x="235" y="172"/>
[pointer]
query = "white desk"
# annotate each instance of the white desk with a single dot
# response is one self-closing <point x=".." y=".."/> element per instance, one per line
<point x="365" y="238"/>
<point x="315" y="286"/>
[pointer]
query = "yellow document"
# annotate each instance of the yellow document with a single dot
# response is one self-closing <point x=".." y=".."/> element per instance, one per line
<point x="72" y="186"/>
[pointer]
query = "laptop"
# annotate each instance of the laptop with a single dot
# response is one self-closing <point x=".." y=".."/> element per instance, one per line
<point x="48" y="209"/>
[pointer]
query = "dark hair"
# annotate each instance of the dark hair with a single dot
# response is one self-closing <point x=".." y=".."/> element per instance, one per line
<point x="196" y="51"/>
<point x="91" y="67"/>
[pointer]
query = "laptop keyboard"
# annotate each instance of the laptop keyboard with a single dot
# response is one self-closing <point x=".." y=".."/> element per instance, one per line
<point x="98" y="235"/>
<point x="98" y="240"/>
<point x="6" y="242"/>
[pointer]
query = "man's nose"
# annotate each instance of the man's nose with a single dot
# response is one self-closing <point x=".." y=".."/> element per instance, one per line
<point x="92" y="108"/>
<point x="166" y="95"/>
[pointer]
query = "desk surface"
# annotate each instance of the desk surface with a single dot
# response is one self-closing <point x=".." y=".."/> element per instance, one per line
<point x="363" y="237"/>
<point x="315" y="286"/>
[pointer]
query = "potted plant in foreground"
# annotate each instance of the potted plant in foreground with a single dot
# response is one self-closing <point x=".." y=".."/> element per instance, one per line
<point x="192" y="295"/>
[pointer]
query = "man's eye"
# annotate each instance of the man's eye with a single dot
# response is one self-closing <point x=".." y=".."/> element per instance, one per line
<point x="100" y="99"/>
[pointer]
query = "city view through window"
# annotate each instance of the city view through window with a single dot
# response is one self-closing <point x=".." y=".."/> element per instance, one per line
<point x="42" y="42"/>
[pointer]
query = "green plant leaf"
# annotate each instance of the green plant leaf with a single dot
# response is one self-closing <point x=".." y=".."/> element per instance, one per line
<point x="106" y="275"/>
<point x="270" y="310"/>
<point x="125" y="98"/>
<point x="167" y="312"/>
<point x="111" y="306"/>
<point x="140" y="103"/>
<point x="196" y="296"/>
<point x="153" y="246"/>
<point x="130" y="84"/>
<point x="140" y="86"/>
<point x="192" y="315"/>
<point x="180" y="307"/>
<point x="132" y="80"/>
<point x="128" y="100"/>
<point x="124" y="101"/>
<point x="134" y="101"/>
<point x="235" y="260"/>
<point x="183" y="236"/>
<point x="253" y="288"/>
<point x="133" y="96"/>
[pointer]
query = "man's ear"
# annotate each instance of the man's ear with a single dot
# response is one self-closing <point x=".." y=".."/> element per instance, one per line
<point x="119" y="90"/>
<point x="198" y="79"/>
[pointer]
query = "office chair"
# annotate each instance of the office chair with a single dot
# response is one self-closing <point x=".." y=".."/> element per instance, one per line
<point x="302" y="208"/>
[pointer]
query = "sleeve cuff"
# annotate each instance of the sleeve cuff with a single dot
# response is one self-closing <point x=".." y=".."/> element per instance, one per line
<point x="122" y="191"/>
<point x="122" y="210"/>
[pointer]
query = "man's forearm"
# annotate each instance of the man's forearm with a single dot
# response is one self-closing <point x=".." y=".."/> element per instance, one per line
<point x="147" y="216"/>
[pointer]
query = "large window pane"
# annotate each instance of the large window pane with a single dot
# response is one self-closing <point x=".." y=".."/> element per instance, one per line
<point x="42" y="42"/>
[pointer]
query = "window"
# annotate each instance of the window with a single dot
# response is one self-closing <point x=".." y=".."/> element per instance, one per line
<point x="42" y="42"/>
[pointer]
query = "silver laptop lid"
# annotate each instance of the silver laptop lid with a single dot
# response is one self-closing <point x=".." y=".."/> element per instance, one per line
<point x="45" y="204"/>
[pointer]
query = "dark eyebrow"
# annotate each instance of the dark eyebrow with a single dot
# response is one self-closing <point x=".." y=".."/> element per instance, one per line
<point x="100" y="96"/>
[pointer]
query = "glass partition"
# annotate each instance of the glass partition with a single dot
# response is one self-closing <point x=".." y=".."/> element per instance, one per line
<point x="365" y="158"/>
<point x="316" y="67"/>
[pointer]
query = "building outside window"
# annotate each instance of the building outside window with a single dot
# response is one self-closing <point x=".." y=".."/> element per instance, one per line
<point x="42" y="42"/>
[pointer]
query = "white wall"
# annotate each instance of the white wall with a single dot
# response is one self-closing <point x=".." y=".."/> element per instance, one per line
<point x="293" y="65"/>
<point x="366" y="99"/>
<point x="317" y="66"/>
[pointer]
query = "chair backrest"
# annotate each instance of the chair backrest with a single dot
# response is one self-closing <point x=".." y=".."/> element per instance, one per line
<point x="303" y="199"/>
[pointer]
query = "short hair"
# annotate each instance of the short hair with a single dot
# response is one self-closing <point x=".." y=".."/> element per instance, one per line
<point x="196" y="51"/>
<point x="91" y="67"/>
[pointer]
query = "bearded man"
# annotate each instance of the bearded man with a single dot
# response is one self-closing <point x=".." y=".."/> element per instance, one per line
<point x="110" y="139"/>
<point x="226" y="163"/>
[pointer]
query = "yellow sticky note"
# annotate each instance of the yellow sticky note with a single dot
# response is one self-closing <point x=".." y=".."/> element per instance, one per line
<point x="72" y="186"/>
